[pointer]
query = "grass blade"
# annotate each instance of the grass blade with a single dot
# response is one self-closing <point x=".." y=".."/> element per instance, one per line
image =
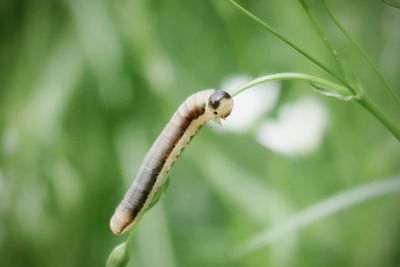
<point x="341" y="201"/>
<point x="363" y="53"/>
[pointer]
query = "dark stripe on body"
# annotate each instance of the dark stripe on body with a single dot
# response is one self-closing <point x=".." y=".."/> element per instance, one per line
<point x="156" y="157"/>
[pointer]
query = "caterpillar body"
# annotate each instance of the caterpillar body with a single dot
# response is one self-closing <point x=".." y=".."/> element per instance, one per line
<point x="194" y="112"/>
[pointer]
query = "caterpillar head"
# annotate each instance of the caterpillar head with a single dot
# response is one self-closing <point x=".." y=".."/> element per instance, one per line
<point x="220" y="104"/>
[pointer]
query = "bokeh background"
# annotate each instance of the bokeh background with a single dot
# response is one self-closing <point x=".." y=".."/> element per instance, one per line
<point x="86" y="86"/>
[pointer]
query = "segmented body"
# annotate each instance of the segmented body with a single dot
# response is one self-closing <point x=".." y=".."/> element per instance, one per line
<point x="184" y="124"/>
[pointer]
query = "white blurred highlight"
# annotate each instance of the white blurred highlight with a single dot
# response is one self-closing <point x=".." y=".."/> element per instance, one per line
<point x="249" y="105"/>
<point x="298" y="130"/>
<point x="3" y="194"/>
<point x="160" y="72"/>
<point x="10" y="139"/>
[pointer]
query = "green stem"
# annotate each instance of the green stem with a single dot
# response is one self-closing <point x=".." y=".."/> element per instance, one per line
<point x="325" y="39"/>
<point x="341" y="90"/>
<point x="362" y="52"/>
<point x="285" y="40"/>
<point x="378" y="113"/>
<point x="363" y="100"/>
<point x="132" y="232"/>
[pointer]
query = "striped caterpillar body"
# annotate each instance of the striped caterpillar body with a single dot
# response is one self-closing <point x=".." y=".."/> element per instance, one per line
<point x="194" y="112"/>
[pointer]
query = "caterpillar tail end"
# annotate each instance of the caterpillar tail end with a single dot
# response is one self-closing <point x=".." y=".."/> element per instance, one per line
<point x="120" y="222"/>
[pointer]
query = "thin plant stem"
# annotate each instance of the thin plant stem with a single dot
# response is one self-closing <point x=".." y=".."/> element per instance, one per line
<point x="285" y="40"/>
<point x="378" y="113"/>
<point x="325" y="40"/>
<point x="132" y="232"/>
<point x="342" y="92"/>
<point x="362" y="52"/>
<point x="120" y="255"/>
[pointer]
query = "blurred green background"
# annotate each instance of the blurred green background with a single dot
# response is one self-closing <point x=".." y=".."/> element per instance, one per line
<point x="86" y="86"/>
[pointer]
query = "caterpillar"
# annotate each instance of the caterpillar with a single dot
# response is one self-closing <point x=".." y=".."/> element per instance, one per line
<point x="194" y="112"/>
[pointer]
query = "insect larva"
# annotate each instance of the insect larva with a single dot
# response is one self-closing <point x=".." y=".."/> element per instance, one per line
<point x="194" y="112"/>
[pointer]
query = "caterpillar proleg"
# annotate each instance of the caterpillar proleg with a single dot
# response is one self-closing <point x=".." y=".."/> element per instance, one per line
<point x="194" y="112"/>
